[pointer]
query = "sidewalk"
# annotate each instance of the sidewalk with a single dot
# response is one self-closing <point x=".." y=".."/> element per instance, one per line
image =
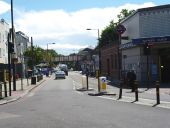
<point x="19" y="93"/>
<point x="146" y="96"/>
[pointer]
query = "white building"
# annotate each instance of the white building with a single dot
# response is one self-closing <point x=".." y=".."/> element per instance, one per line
<point x="151" y="26"/>
<point x="4" y="29"/>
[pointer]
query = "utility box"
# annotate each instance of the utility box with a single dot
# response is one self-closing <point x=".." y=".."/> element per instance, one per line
<point x="103" y="83"/>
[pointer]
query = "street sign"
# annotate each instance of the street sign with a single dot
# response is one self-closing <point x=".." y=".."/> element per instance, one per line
<point x="120" y="29"/>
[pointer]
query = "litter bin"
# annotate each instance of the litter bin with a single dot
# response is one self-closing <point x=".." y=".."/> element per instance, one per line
<point x="33" y="80"/>
<point x="103" y="83"/>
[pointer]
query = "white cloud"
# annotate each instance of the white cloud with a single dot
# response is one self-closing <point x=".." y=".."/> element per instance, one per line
<point x="4" y="7"/>
<point x="68" y="29"/>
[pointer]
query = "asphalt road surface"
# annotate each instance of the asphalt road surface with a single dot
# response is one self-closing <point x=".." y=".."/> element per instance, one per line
<point x="55" y="104"/>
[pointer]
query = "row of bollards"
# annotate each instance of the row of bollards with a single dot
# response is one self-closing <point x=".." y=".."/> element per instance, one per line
<point x="157" y="85"/>
<point x="135" y="85"/>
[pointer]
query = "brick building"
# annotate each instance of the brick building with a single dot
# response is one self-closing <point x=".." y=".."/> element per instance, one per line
<point x="109" y="61"/>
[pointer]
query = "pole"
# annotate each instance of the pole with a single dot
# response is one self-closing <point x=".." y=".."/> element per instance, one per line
<point x="14" y="68"/>
<point x="121" y="87"/>
<point x="147" y="61"/>
<point x="119" y="60"/>
<point x="136" y="90"/>
<point x="157" y="92"/>
<point x="9" y="64"/>
<point x="47" y="53"/>
<point x="99" y="71"/>
<point x="32" y="50"/>
<point x="21" y="71"/>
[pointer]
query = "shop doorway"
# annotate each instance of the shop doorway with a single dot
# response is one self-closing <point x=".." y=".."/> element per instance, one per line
<point x="165" y="65"/>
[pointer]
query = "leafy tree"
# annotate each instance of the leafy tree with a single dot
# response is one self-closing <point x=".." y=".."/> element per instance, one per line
<point x="109" y="34"/>
<point x="123" y="14"/>
<point x="39" y="55"/>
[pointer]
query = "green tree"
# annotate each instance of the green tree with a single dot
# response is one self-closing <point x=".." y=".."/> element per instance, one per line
<point x="123" y="14"/>
<point x="40" y="55"/>
<point x="51" y="57"/>
<point x="37" y="55"/>
<point x="109" y="35"/>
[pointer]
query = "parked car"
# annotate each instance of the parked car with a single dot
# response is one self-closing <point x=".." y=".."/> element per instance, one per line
<point x="60" y="74"/>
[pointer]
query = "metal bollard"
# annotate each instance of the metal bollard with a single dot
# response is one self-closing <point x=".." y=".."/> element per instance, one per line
<point x="136" y="90"/>
<point x="120" y="91"/>
<point x="157" y="92"/>
<point x="87" y="79"/>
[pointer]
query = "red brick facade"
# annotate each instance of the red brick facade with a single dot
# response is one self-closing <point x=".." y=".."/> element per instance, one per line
<point x="109" y="61"/>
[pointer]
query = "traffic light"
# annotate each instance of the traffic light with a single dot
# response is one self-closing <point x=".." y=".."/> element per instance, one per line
<point x="147" y="49"/>
<point x="11" y="47"/>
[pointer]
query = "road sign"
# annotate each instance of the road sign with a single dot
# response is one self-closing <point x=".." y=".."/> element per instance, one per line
<point x="120" y="29"/>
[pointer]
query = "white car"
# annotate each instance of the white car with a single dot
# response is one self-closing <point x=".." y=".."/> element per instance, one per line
<point x="60" y="74"/>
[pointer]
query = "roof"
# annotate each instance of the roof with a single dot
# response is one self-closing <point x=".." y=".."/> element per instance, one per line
<point x="147" y="9"/>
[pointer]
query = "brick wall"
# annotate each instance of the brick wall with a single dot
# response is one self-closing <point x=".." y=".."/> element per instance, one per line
<point x="109" y="61"/>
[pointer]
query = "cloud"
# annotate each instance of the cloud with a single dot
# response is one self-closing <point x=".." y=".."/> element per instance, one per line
<point x="68" y="29"/>
<point x="4" y="7"/>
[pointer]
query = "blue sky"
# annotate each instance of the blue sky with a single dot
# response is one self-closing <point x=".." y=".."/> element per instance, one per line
<point x="64" y="22"/>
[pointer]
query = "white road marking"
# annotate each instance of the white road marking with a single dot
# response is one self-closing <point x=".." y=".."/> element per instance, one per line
<point x="30" y="94"/>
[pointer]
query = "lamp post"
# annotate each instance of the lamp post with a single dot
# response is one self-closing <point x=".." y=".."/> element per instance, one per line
<point x="99" y="64"/>
<point x="13" y="41"/>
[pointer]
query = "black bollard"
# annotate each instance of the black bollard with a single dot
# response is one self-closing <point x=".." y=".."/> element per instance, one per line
<point x="120" y="91"/>
<point x="0" y="90"/>
<point x="136" y="90"/>
<point x="87" y="79"/>
<point x="157" y="92"/>
<point x="5" y="89"/>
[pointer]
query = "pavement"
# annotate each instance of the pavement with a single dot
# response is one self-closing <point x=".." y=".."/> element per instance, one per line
<point x="22" y="88"/>
<point x="145" y="96"/>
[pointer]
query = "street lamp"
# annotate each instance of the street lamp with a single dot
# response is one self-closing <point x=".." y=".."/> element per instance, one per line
<point x="99" y="64"/>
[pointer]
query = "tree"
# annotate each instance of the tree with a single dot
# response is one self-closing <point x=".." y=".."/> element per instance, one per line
<point x="123" y="14"/>
<point x="109" y="35"/>
<point x="38" y="54"/>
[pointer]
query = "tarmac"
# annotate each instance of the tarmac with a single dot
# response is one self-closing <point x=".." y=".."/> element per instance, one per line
<point x="145" y="96"/>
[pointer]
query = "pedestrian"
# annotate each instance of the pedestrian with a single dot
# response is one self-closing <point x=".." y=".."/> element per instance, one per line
<point x="131" y="77"/>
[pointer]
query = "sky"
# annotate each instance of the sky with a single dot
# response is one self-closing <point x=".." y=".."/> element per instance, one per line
<point x="64" y="22"/>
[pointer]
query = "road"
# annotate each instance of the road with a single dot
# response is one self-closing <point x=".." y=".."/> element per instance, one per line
<point x="55" y="104"/>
